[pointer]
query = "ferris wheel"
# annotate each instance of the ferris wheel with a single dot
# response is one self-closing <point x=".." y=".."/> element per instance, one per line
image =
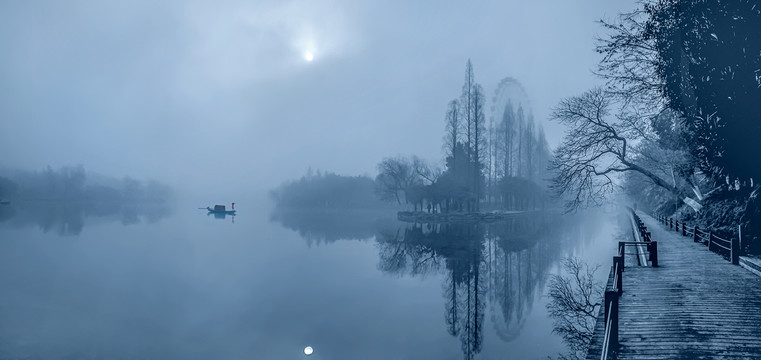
<point x="509" y="91"/>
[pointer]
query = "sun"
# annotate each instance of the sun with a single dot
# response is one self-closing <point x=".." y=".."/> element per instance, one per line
<point x="308" y="56"/>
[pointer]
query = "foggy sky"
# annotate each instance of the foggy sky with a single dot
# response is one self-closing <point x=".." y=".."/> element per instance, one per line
<point x="204" y="94"/>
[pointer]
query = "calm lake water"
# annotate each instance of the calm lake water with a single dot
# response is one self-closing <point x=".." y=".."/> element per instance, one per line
<point x="264" y="285"/>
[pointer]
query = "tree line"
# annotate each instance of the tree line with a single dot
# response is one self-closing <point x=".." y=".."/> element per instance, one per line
<point x="502" y="165"/>
<point x="678" y="117"/>
<point x="327" y="190"/>
<point x="70" y="183"/>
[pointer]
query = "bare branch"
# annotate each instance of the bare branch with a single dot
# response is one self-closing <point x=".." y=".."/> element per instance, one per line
<point x="574" y="303"/>
<point x="593" y="150"/>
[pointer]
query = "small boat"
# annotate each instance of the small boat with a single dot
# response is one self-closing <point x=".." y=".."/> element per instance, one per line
<point x="220" y="209"/>
<point x="5" y="202"/>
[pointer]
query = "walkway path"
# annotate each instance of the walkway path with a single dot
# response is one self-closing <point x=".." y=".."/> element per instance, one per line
<point x="695" y="305"/>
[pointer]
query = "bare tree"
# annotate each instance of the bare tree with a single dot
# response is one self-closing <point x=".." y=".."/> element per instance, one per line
<point x="630" y="62"/>
<point x="466" y="107"/>
<point x="452" y="128"/>
<point x="479" y="139"/>
<point x="491" y="163"/>
<point x="395" y="177"/>
<point x="506" y="131"/>
<point x="530" y="144"/>
<point x="633" y="67"/>
<point x="542" y="156"/>
<point x="425" y="172"/>
<point x="519" y="122"/>
<point x="574" y="303"/>
<point x="594" y="149"/>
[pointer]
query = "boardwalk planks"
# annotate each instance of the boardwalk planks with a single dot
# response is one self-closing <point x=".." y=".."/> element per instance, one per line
<point x="696" y="305"/>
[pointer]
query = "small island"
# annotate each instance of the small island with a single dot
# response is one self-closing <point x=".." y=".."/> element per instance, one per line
<point x="491" y="172"/>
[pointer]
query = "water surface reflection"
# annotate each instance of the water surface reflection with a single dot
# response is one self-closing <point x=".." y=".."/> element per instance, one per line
<point x="69" y="218"/>
<point x="501" y="266"/>
<point x="192" y="287"/>
<point x="492" y="274"/>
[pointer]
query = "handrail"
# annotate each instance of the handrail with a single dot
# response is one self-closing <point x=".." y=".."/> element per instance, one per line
<point x="606" y="339"/>
<point x="610" y="337"/>
<point x="723" y="247"/>
<point x="641" y="237"/>
<point x="716" y="238"/>
<point x="614" y="289"/>
<point x="732" y="245"/>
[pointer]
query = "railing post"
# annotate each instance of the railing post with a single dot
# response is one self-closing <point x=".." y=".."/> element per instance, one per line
<point x="739" y="240"/>
<point x="695" y="234"/>
<point x="652" y="248"/>
<point x="677" y="225"/>
<point x="709" y="240"/>
<point x="611" y="312"/>
<point x="621" y="248"/>
<point x="671" y="223"/>
<point x="734" y="252"/>
<point x="684" y="229"/>
<point x="618" y="266"/>
<point x="648" y="238"/>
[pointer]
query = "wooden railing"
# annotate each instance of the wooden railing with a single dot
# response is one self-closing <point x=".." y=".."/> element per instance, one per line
<point x="614" y="287"/>
<point x="730" y="248"/>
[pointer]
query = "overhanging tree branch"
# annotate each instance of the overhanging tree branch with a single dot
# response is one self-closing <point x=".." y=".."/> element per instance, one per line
<point x="593" y="149"/>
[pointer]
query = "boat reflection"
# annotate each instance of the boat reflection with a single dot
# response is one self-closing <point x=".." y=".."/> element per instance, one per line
<point x="222" y="216"/>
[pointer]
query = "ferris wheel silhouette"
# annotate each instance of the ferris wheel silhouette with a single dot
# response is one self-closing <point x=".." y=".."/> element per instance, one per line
<point x="509" y="91"/>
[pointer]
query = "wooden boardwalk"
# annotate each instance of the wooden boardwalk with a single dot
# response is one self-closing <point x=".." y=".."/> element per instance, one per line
<point x="695" y="305"/>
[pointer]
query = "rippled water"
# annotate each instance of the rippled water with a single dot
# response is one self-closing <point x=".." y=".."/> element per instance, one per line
<point x="352" y="285"/>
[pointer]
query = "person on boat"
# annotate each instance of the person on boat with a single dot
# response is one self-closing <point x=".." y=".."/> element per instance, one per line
<point x="233" y="206"/>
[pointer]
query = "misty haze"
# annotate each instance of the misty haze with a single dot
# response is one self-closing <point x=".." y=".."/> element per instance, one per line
<point x="380" y="180"/>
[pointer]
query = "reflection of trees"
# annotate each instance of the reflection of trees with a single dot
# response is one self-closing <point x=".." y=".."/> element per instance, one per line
<point x="419" y="249"/>
<point x="68" y="218"/>
<point x="328" y="225"/>
<point x="398" y="255"/>
<point x="574" y="304"/>
<point x="461" y="248"/>
<point x="517" y="264"/>
<point x="503" y="263"/>
<point x="6" y="213"/>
